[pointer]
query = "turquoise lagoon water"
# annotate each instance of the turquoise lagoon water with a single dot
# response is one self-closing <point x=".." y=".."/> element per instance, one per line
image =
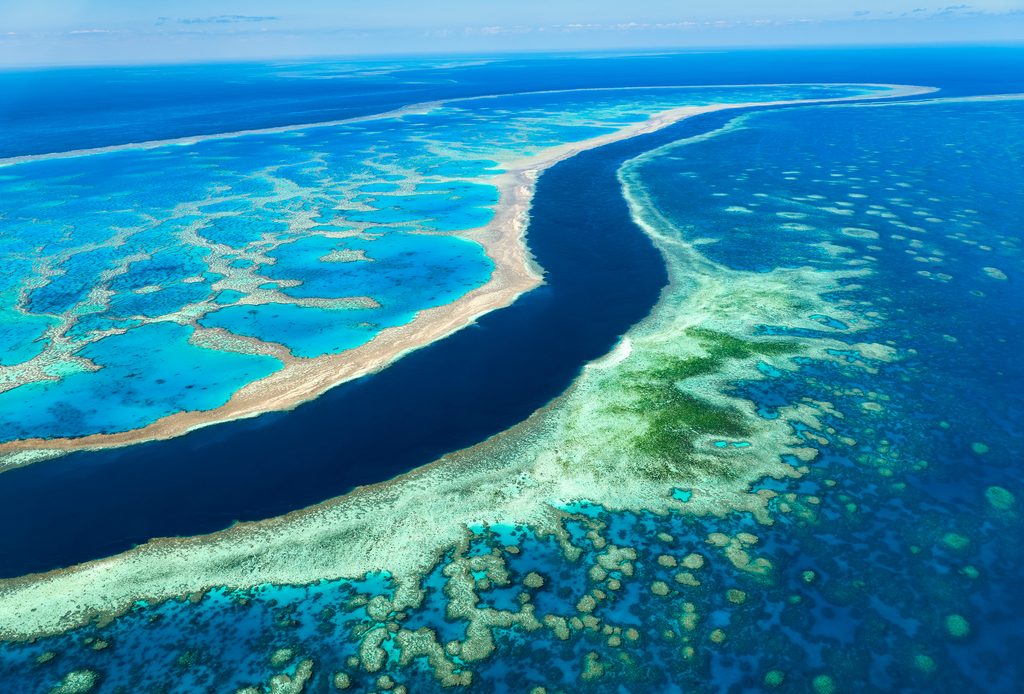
<point x="896" y="563"/>
<point x="151" y="370"/>
<point x="311" y="238"/>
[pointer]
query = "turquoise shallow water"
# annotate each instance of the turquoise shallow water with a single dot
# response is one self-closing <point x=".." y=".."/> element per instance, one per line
<point x="151" y="371"/>
<point x="897" y="567"/>
<point x="404" y="270"/>
<point x="311" y="239"/>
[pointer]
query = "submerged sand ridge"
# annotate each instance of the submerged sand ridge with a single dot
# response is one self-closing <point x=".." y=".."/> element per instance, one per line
<point x="300" y="380"/>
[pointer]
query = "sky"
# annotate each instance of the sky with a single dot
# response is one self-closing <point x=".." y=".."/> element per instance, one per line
<point x="80" y="32"/>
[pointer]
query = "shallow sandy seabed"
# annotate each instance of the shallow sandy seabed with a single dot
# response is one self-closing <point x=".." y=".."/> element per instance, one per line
<point x="600" y="441"/>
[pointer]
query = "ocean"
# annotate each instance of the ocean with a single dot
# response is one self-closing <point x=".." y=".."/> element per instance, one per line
<point x="798" y="469"/>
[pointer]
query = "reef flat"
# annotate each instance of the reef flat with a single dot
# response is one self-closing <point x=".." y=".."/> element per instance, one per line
<point x="782" y="476"/>
<point x="288" y="262"/>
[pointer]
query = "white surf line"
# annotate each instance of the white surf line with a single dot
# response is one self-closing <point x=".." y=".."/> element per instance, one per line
<point x="898" y="90"/>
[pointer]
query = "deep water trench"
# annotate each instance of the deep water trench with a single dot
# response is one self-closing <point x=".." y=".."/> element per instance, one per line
<point x="602" y="275"/>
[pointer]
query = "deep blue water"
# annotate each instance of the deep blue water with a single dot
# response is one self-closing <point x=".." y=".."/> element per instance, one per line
<point x="116" y="105"/>
<point x="601" y="278"/>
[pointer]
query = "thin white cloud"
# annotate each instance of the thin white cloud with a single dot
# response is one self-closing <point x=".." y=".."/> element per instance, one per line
<point x="917" y="14"/>
<point x="226" y="19"/>
<point x="496" y="30"/>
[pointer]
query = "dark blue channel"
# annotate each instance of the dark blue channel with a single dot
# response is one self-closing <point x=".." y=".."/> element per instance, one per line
<point x="602" y="275"/>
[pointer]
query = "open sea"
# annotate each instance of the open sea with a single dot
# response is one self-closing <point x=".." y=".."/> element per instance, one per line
<point x="891" y="562"/>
